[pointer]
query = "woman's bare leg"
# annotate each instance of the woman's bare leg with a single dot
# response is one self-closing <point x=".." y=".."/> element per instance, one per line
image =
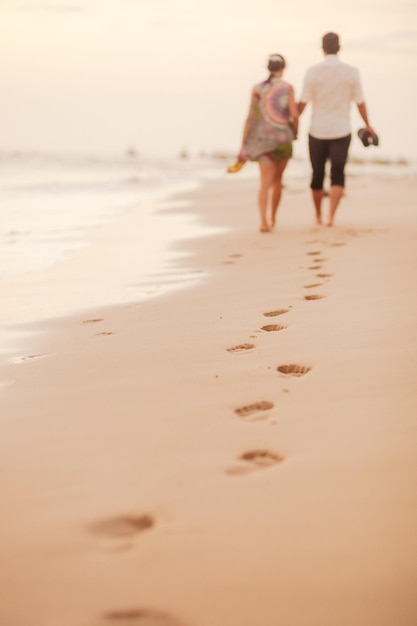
<point x="267" y="175"/>
<point x="277" y="189"/>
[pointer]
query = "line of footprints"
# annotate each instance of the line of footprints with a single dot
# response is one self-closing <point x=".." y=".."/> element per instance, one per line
<point x="119" y="533"/>
<point x="262" y="458"/>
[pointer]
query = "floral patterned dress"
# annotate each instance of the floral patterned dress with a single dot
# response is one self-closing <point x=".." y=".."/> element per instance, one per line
<point x="270" y="133"/>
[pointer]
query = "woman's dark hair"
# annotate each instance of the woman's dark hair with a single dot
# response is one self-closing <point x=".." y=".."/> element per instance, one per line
<point x="331" y="43"/>
<point x="276" y="62"/>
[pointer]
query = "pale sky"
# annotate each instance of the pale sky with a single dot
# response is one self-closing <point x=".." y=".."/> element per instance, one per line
<point x="162" y="75"/>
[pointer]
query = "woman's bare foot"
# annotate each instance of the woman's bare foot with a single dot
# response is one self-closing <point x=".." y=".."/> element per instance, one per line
<point x="264" y="229"/>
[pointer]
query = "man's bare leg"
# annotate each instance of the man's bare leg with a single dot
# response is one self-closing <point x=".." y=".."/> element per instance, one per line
<point x="317" y="198"/>
<point x="336" y="193"/>
<point x="277" y="189"/>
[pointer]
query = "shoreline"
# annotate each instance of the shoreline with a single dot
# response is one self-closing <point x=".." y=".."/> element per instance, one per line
<point x="157" y="463"/>
<point x="118" y="263"/>
<point x="34" y="296"/>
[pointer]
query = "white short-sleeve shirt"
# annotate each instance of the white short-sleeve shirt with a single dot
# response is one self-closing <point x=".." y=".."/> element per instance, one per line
<point x="331" y="86"/>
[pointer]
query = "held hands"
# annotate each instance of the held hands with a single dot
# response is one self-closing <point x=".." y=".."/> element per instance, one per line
<point x="294" y="128"/>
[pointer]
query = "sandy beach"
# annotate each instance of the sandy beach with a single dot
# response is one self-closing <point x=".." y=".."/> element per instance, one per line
<point x="242" y="452"/>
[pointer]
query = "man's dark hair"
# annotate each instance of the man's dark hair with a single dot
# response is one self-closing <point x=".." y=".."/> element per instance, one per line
<point x="331" y="43"/>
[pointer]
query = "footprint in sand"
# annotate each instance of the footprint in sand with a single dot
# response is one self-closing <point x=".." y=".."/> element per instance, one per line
<point x="137" y="617"/>
<point x="324" y="275"/>
<point x="251" y="412"/>
<point x="275" y="313"/>
<point x="313" y="296"/>
<point x="232" y="256"/>
<point x="262" y="458"/>
<point x="104" y="334"/>
<point x="317" y="260"/>
<point x="315" y="267"/>
<point x="240" y="347"/>
<point x="254" y="460"/>
<point x="93" y="321"/>
<point x="313" y="285"/>
<point x="337" y="244"/>
<point x="31" y="357"/>
<point x="121" y="530"/>
<point x="356" y="232"/>
<point x="273" y="327"/>
<point x="293" y="369"/>
<point x="314" y="253"/>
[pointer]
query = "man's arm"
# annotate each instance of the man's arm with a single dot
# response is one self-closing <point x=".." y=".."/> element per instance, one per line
<point x="364" y="115"/>
<point x="307" y="91"/>
<point x="301" y="106"/>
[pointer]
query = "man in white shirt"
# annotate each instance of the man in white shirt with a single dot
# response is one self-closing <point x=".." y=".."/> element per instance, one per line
<point x="331" y="86"/>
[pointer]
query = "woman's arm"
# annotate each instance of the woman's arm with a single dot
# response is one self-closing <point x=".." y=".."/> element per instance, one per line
<point x="246" y="128"/>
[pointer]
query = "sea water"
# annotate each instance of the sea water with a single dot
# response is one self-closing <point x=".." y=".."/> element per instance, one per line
<point x="48" y="203"/>
<point x="51" y="208"/>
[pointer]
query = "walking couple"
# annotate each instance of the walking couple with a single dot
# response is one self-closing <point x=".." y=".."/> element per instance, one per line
<point x="272" y="125"/>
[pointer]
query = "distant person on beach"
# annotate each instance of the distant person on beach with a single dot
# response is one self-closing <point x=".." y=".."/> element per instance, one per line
<point x="269" y="130"/>
<point x="331" y="86"/>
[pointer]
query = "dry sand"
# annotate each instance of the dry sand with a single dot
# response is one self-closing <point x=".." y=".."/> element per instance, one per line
<point x="157" y="469"/>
